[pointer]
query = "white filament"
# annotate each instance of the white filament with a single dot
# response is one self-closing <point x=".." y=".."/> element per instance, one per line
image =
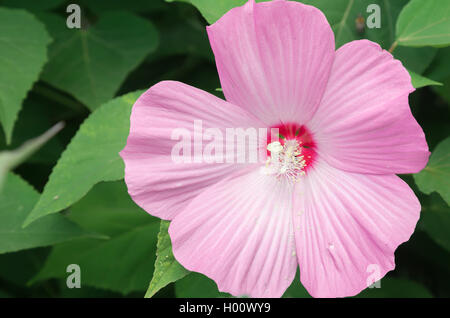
<point x="285" y="161"/>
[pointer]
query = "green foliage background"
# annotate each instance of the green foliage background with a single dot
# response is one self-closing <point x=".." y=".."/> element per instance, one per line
<point x="62" y="198"/>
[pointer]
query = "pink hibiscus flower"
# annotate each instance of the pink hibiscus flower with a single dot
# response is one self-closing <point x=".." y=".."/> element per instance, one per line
<point x="333" y="206"/>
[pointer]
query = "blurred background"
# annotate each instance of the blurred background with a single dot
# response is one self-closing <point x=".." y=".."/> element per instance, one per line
<point x="69" y="189"/>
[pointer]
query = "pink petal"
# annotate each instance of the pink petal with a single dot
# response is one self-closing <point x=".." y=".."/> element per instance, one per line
<point x="239" y="233"/>
<point x="348" y="226"/>
<point x="364" y="123"/>
<point x="155" y="182"/>
<point x="274" y="58"/>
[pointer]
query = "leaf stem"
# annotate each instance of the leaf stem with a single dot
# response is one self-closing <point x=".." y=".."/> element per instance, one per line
<point x="393" y="46"/>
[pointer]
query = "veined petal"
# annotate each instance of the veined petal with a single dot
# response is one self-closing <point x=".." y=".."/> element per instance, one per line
<point x="274" y="58"/>
<point x="155" y="182"/>
<point x="239" y="233"/>
<point x="348" y="226"/>
<point x="364" y="123"/>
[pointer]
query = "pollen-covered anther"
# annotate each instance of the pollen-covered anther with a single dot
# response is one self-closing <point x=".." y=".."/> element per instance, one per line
<point x="285" y="161"/>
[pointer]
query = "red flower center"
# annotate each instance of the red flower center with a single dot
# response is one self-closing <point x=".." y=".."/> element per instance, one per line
<point x="291" y="153"/>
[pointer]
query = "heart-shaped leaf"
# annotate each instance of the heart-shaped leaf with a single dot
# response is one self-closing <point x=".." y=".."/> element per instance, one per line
<point x="423" y="23"/>
<point x="91" y="63"/>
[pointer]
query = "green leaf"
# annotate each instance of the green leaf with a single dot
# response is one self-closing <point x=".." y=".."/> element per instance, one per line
<point x="296" y="290"/>
<point x="440" y="71"/>
<point x="23" y="53"/>
<point x="415" y="59"/>
<point x="10" y="159"/>
<point x="444" y="90"/>
<point x="19" y="267"/>
<point x="112" y="5"/>
<point x="440" y="68"/>
<point x="91" y="157"/>
<point x="85" y="292"/>
<point x="124" y="262"/>
<point x="16" y="201"/>
<point x="32" y="5"/>
<point x="109" y="209"/>
<point x="213" y="10"/>
<point x="419" y="81"/>
<point x="167" y="269"/>
<point x="435" y="219"/>
<point x="391" y="287"/>
<point x="185" y="37"/>
<point x="92" y="63"/>
<point x="436" y="175"/>
<point x="424" y="23"/>
<point x="196" y="285"/>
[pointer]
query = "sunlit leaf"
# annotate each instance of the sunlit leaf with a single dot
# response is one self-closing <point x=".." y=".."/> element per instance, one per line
<point x="92" y="156"/>
<point x="419" y="81"/>
<point x="436" y="175"/>
<point x="167" y="269"/>
<point x="423" y="23"/>
<point x="23" y="53"/>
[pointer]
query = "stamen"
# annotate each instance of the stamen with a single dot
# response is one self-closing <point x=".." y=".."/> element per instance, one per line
<point x="285" y="161"/>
